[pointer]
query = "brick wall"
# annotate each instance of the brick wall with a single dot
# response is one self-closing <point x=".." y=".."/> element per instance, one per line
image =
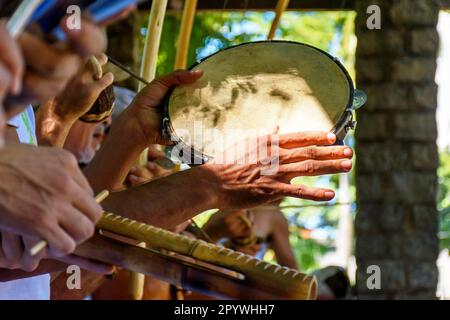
<point x="396" y="224"/>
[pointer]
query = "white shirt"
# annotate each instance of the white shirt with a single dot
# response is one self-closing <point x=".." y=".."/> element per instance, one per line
<point x="33" y="288"/>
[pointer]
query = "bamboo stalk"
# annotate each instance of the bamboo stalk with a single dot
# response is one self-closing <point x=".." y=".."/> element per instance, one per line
<point x="148" y="73"/>
<point x="187" y="21"/>
<point x="280" y="8"/>
<point x="152" y="40"/>
<point x="191" y="275"/>
<point x="288" y="282"/>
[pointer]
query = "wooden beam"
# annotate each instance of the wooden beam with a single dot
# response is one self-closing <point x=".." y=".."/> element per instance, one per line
<point x="262" y="5"/>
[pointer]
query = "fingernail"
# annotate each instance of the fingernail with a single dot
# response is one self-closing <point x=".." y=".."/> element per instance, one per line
<point x="348" y="152"/>
<point x="198" y="71"/>
<point x="347" y="164"/>
<point x="329" y="194"/>
<point x="331" y="137"/>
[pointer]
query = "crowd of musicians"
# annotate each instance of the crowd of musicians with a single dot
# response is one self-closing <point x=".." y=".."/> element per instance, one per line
<point x="53" y="163"/>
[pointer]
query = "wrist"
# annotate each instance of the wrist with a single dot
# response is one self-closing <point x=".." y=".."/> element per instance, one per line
<point x="50" y="129"/>
<point x="51" y="111"/>
<point x="207" y="176"/>
<point x="126" y="129"/>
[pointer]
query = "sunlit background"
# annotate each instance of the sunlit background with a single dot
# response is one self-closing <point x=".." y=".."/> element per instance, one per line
<point x="321" y="235"/>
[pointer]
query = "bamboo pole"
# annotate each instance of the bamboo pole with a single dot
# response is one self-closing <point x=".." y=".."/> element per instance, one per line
<point x="148" y="73"/>
<point x="280" y="8"/>
<point x="292" y="282"/>
<point x="187" y="21"/>
<point x="259" y="283"/>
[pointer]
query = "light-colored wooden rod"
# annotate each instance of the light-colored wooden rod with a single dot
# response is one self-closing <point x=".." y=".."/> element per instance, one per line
<point x="187" y="21"/>
<point x="281" y="7"/>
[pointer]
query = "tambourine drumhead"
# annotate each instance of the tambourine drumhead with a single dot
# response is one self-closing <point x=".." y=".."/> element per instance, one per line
<point x="256" y="88"/>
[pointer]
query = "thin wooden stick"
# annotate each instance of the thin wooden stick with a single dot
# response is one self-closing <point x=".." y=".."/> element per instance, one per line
<point x="148" y="73"/>
<point x="124" y="68"/>
<point x="151" y="50"/>
<point x="187" y="21"/>
<point x="280" y="8"/>
<point x="38" y="247"/>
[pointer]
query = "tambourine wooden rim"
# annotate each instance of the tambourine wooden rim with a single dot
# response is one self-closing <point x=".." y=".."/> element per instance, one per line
<point x="344" y="123"/>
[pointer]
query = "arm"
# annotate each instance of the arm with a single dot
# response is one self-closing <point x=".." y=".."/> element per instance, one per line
<point x="280" y="241"/>
<point x="55" y="117"/>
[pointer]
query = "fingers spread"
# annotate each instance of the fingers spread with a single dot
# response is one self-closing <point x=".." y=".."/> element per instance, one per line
<point x="315" y="153"/>
<point x="304" y="139"/>
<point x="305" y="192"/>
<point x="315" y="168"/>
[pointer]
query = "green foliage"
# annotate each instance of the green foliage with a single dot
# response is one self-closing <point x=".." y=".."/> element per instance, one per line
<point x="444" y="199"/>
<point x="222" y="30"/>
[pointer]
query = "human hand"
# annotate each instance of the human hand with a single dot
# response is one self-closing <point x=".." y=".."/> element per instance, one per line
<point x="247" y="184"/>
<point x="45" y="196"/>
<point x="144" y="115"/>
<point x="15" y="255"/>
<point x="79" y="95"/>
<point x="49" y="67"/>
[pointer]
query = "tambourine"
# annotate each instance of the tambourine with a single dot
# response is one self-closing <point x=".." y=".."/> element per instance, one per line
<point x="258" y="88"/>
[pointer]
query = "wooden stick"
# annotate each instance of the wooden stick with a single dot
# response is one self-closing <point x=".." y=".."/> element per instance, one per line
<point x="187" y="21"/>
<point x="281" y="7"/>
<point x="124" y="68"/>
<point x="151" y="50"/>
<point x="38" y="247"/>
<point x="148" y="73"/>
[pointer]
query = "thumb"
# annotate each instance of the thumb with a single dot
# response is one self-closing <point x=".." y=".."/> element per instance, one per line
<point x="155" y="92"/>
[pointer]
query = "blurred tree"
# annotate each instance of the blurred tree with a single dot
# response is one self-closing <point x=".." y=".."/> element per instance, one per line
<point x="444" y="199"/>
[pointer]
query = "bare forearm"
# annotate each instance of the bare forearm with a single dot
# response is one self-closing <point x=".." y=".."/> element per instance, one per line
<point x="169" y="201"/>
<point x="113" y="161"/>
<point x="50" y="130"/>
